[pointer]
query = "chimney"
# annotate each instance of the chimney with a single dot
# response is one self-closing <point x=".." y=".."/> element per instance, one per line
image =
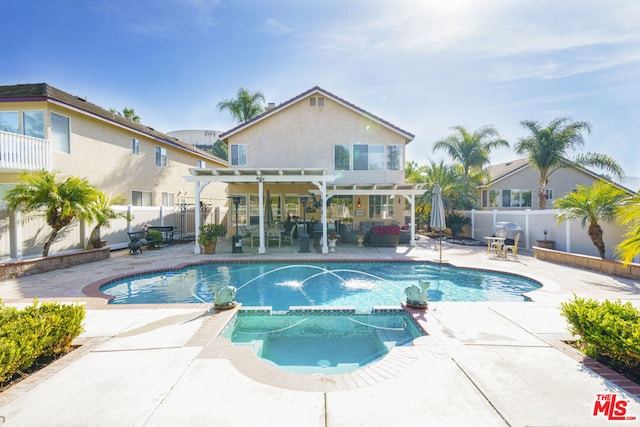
<point x="270" y="106"/>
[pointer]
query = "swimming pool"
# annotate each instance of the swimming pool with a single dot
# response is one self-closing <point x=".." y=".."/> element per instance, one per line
<point x="322" y="341"/>
<point x="361" y="285"/>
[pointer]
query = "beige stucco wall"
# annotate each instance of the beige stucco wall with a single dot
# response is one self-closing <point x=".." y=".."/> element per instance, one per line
<point x="101" y="152"/>
<point x="561" y="182"/>
<point x="302" y="136"/>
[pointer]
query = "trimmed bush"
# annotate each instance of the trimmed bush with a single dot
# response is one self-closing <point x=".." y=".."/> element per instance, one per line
<point x="39" y="331"/>
<point x="607" y="330"/>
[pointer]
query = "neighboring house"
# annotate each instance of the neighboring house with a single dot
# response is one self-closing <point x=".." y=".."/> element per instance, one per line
<point x="202" y="139"/>
<point x="514" y="185"/>
<point x="316" y="143"/>
<point x="42" y="127"/>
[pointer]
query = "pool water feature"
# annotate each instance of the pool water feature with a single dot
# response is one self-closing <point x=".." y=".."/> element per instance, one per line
<point x="327" y="341"/>
<point x="360" y="284"/>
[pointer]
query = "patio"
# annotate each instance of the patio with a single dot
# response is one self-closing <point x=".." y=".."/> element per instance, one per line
<point x="481" y="364"/>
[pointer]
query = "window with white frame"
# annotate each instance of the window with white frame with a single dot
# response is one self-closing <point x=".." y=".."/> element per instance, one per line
<point x="32" y="123"/>
<point x="381" y="207"/>
<point x="320" y="102"/>
<point x="60" y="133"/>
<point x="368" y="157"/>
<point x="341" y="157"/>
<point x="201" y="164"/>
<point x="549" y="194"/>
<point x="167" y="199"/>
<point x="312" y="102"/>
<point x="141" y="198"/>
<point x="135" y="146"/>
<point x="238" y="154"/>
<point x="161" y="156"/>
<point x="516" y="198"/>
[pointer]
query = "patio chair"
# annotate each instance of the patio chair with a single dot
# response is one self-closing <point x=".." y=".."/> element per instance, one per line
<point x="497" y="247"/>
<point x="288" y="236"/>
<point x="513" y="248"/>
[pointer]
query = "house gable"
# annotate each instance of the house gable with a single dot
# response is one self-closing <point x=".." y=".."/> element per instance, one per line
<point x="304" y="132"/>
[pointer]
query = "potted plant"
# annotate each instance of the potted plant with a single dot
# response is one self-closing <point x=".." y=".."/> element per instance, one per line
<point x="333" y="238"/>
<point x="360" y="237"/>
<point x="208" y="236"/>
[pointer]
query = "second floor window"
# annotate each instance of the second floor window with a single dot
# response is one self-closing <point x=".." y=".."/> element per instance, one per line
<point x="9" y="121"/>
<point x="161" y="156"/>
<point x="135" y="146"/>
<point x="33" y="123"/>
<point x="368" y="157"/>
<point x="201" y="164"/>
<point x="60" y="133"/>
<point x="238" y="154"/>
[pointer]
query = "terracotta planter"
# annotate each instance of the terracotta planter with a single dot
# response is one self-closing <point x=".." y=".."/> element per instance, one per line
<point x="210" y="248"/>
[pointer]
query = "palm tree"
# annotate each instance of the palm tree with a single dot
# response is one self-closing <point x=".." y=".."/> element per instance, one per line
<point x="457" y="191"/>
<point x="629" y="214"/>
<point x="245" y="106"/>
<point x="591" y="204"/>
<point x="104" y="214"/>
<point x="127" y="113"/>
<point x="62" y="201"/>
<point x="548" y="149"/>
<point x="471" y="150"/>
<point x="130" y="113"/>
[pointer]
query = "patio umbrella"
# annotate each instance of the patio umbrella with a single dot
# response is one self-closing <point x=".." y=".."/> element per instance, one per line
<point x="437" y="214"/>
<point x="268" y="211"/>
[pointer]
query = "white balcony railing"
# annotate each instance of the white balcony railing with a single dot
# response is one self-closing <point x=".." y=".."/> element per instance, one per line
<point x="21" y="152"/>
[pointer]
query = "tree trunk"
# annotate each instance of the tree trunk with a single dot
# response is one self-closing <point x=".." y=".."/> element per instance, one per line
<point x="595" y="233"/>
<point x="49" y="242"/>
<point x="94" y="239"/>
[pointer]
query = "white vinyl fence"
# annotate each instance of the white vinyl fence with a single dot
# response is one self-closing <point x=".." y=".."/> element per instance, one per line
<point x="568" y="236"/>
<point x="23" y="235"/>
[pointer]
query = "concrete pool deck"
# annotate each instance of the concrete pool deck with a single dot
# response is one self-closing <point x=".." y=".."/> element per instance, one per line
<point x="492" y="363"/>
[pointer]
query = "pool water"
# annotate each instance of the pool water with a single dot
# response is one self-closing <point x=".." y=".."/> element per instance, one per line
<point x="322" y="341"/>
<point x="361" y="285"/>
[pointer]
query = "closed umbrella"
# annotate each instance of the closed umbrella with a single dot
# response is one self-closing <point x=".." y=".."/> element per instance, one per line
<point x="268" y="211"/>
<point x="437" y="214"/>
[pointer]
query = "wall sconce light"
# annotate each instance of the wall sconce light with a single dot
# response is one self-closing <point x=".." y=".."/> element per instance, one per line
<point x="358" y="203"/>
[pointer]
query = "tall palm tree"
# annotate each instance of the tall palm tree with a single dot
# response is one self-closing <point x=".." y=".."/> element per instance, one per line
<point x="629" y="215"/>
<point x="245" y="106"/>
<point x="591" y="204"/>
<point x="549" y="149"/>
<point x="471" y="150"/>
<point x="62" y="201"/>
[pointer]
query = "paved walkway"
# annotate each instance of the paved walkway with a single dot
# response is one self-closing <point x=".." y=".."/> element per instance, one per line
<point x="495" y="364"/>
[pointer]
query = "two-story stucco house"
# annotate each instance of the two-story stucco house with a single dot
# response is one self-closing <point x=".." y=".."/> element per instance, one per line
<point x="42" y="127"/>
<point x="349" y="160"/>
<point x="514" y="185"/>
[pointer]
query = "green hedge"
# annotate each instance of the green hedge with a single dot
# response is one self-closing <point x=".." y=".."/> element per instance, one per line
<point x="607" y="329"/>
<point x="40" y="330"/>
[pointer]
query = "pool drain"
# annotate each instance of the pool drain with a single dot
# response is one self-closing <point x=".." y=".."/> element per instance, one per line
<point x="324" y="363"/>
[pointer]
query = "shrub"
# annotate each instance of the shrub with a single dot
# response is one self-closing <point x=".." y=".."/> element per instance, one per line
<point x="456" y="223"/>
<point x="39" y="331"/>
<point x="609" y="330"/>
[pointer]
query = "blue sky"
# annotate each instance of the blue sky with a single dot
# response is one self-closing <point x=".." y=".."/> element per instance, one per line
<point x="423" y="65"/>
